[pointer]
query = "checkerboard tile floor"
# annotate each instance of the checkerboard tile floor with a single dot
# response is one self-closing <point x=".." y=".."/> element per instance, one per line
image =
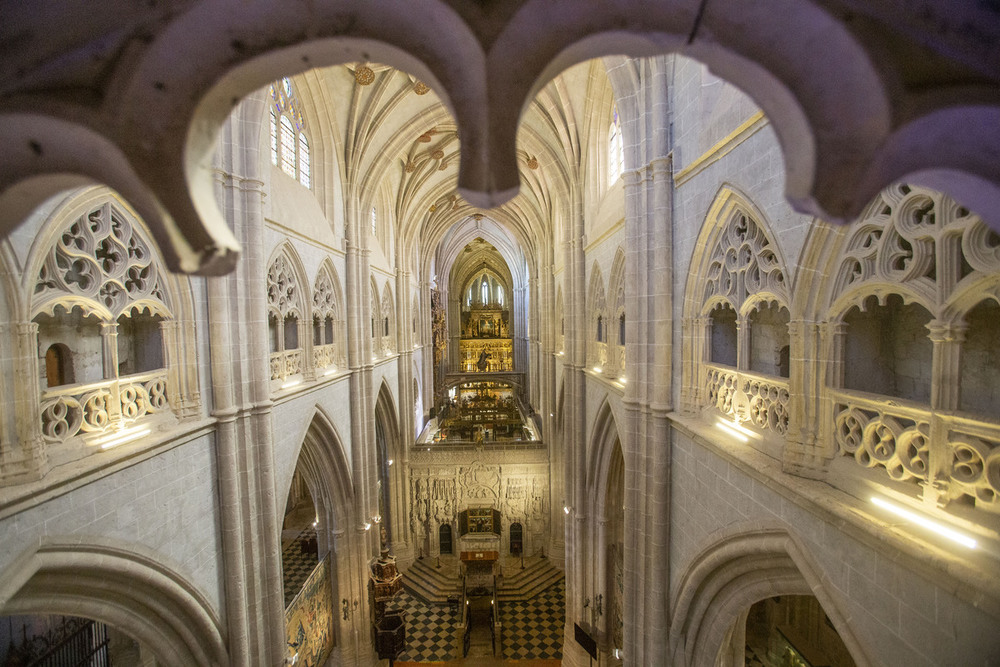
<point x="297" y="566"/>
<point x="431" y="630"/>
<point x="534" y="628"/>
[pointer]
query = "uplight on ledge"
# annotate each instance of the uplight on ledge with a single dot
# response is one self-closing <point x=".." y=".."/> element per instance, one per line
<point x="390" y="461"/>
<point x="291" y="383"/>
<point x="368" y="525"/>
<point x="623" y="380"/>
<point x="566" y="509"/>
<point x="330" y="371"/>
<point x="125" y="436"/>
<point x="597" y="369"/>
<point x="733" y="430"/>
<point x="925" y="522"/>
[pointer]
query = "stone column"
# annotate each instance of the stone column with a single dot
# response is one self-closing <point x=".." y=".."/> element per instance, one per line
<point x="947" y="338"/>
<point x="804" y="454"/>
<point x="22" y="452"/>
<point x="109" y="341"/>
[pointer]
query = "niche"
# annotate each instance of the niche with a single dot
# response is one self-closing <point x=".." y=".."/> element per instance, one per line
<point x="70" y="347"/>
<point x="723" y="344"/>
<point x="979" y="384"/>
<point x="140" y="343"/>
<point x="769" y="340"/>
<point x="887" y="349"/>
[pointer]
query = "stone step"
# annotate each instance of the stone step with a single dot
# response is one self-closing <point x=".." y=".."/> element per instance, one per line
<point x="527" y="583"/>
<point x="432" y="585"/>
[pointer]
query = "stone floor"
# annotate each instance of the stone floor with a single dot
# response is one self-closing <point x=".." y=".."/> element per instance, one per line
<point x="295" y="565"/>
<point x="532" y="631"/>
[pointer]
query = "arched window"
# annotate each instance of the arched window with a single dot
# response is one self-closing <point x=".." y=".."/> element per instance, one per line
<point x="287" y="147"/>
<point x="289" y="142"/>
<point x="374" y="222"/>
<point x="616" y="149"/>
<point x="485" y="291"/>
<point x="500" y="294"/>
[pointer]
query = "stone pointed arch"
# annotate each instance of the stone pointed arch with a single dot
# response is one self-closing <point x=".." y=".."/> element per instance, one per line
<point x="388" y="447"/>
<point x="126" y="586"/>
<point x="329" y="322"/>
<point x="606" y="490"/>
<point x="737" y="268"/>
<point x="326" y="470"/>
<point x="288" y="313"/>
<point x="743" y="566"/>
<point x="375" y="301"/>
<point x="93" y="260"/>
<point x="616" y="315"/>
<point x="604" y="436"/>
<point x="597" y="319"/>
<point x="324" y="466"/>
<point x="387" y="326"/>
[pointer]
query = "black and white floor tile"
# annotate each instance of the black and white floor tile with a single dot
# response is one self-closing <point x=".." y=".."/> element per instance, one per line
<point x="297" y="566"/>
<point x="431" y="630"/>
<point x="534" y="628"/>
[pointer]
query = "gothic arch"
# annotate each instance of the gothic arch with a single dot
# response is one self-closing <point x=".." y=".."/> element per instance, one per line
<point x="616" y="313"/>
<point x="328" y="302"/>
<point x="738" y="265"/>
<point x="743" y="565"/>
<point x="124" y="585"/>
<point x="596" y="334"/>
<point x="289" y="316"/>
<point x="838" y="137"/>
<point x="389" y="329"/>
<point x="606" y="490"/>
<point x="388" y="444"/>
<point x="604" y="435"/>
<point x="326" y="470"/>
<point x="94" y="255"/>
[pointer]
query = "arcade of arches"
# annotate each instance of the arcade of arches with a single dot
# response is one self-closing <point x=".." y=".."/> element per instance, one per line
<point x="696" y="350"/>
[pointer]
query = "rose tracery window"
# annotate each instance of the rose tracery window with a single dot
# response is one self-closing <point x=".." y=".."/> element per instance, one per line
<point x="284" y="318"/>
<point x="740" y="335"/>
<point x="327" y="347"/>
<point x="99" y="304"/>
<point x="912" y="319"/>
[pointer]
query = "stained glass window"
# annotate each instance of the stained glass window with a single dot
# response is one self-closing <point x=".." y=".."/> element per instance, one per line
<point x="274" y="138"/>
<point x="374" y="217"/>
<point x="616" y="148"/>
<point x="287" y="147"/>
<point x="290" y="150"/>
<point x="304" y="176"/>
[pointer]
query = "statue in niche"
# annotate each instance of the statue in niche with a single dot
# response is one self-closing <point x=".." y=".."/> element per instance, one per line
<point x="483" y="362"/>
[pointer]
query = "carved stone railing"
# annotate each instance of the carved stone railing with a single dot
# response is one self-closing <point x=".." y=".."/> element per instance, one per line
<point x="94" y="408"/>
<point x="600" y="355"/>
<point x="324" y="356"/>
<point x="975" y="463"/>
<point x="885" y="433"/>
<point x="285" y="364"/>
<point x="759" y="399"/>
<point x="895" y="438"/>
